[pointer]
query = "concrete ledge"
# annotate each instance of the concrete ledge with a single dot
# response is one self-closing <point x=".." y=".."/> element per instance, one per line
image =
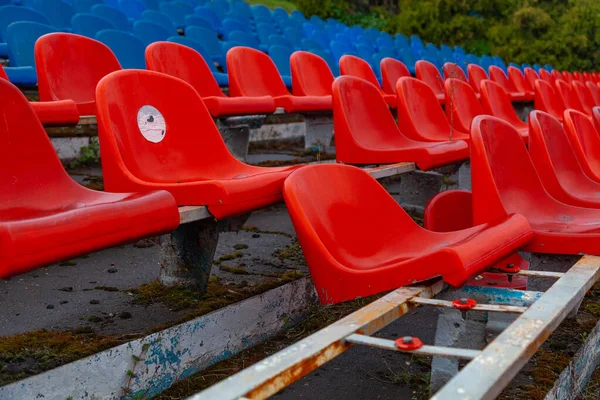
<point x="148" y="366"/>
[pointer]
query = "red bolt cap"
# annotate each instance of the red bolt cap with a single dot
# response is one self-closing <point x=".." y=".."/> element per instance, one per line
<point x="464" y="304"/>
<point x="408" y="343"/>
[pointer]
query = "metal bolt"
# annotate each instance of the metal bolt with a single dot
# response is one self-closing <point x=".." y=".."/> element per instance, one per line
<point x="511" y="266"/>
<point x="463" y="301"/>
<point x="407" y="340"/>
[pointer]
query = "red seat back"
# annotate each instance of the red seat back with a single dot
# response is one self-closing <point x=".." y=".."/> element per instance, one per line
<point x="31" y="172"/>
<point x="497" y="75"/>
<point x="355" y="66"/>
<point x="419" y="114"/>
<point x="430" y="74"/>
<point x="568" y="76"/>
<point x="504" y="179"/>
<point x="556" y="75"/>
<point x="583" y="134"/>
<point x="594" y="92"/>
<point x="476" y="75"/>
<point x="70" y="66"/>
<point x="452" y="70"/>
<point x="311" y="76"/>
<point x="596" y="117"/>
<point x="568" y="95"/>
<point x="584" y="96"/>
<point x="157" y="137"/>
<point x="531" y="76"/>
<point x="391" y="71"/>
<point x="362" y="116"/>
<point x="587" y="77"/>
<point x="495" y="101"/>
<point x="462" y="105"/>
<point x="577" y="76"/>
<point x="547" y="100"/>
<point x="252" y="73"/>
<point x="551" y="151"/>
<point x="522" y="82"/>
<point x="184" y="63"/>
<point x="3" y="73"/>
<point x="547" y="76"/>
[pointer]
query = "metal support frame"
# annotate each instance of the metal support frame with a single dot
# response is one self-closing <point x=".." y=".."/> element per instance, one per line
<point x="490" y="370"/>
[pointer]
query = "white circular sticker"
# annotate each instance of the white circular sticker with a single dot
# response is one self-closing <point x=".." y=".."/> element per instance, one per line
<point x="151" y="124"/>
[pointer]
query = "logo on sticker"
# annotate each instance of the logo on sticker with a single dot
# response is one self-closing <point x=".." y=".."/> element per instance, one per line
<point x="151" y="124"/>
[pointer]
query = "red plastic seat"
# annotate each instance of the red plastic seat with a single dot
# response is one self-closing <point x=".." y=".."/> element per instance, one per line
<point x="568" y="76"/>
<point x="366" y="132"/>
<point x="46" y="215"/>
<point x="587" y="77"/>
<point x="547" y="100"/>
<point x="476" y="75"/>
<point x="596" y="118"/>
<point x="311" y="76"/>
<point x="584" y="95"/>
<point x="594" y="92"/>
<point x="419" y="116"/>
<point x="430" y="74"/>
<point x="391" y="71"/>
<point x="530" y="76"/>
<point x="62" y="112"/>
<point x="505" y="182"/>
<point x="578" y="77"/>
<point x="253" y="74"/>
<point x="355" y="66"/>
<point x="497" y="75"/>
<point x="568" y="96"/>
<point x="187" y="64"/>
<point x="70" y="66"/>
<point x="452" y="70"/>
<point x="496" y="102"/>
<point x="151" y="140"/>
<point x="452" y="210"/>
<point x="547" y="76"/>
<point x="556" y="75"/>
<point x="389" y="249"/>
<point x="462" y="105"/>
<point x="557" y="165"/>
<point x="585" y="142"/>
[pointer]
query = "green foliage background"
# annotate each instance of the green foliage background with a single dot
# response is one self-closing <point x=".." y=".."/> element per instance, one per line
<point x="563" y="33"/>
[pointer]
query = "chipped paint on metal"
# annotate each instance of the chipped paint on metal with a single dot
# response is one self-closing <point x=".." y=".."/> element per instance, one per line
<point x="512" y="297"/>
<point x="172" y="354"/>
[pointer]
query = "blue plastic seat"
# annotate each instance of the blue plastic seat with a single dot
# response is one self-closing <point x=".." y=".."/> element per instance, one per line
<point x="408" y="58"/>
<point x="294" y="35"/>
<point x="401" y="41"/>
<point x="209" y="15"/>
<point x="241" y="9"/>
<point x="311" y="45"/>
<point x="523" y="66"/>
<point x="209" y="41"/>
<point x="280" y="40"/>
<point x="320" y="37"/>
<point x="459" y="49"/>
<point x="536" y="67"/>
<point x="218" y="9"/>
<point x="10" y="14"/>
<point x="175" y="12"/>
<point x="365" y="52"/>
<point x="221" y="78"/>
<point x="232" y="24"/>
<point x="446" y="52"/>
<point x="417" y="45"/>
<point x="195" y="20"/>
<point x="89" y="24"/>
<point x="132" y="8"/>
<point x="515" y="65"/>
<point x="383" y="41"/>
<point x="128" y="49"/>
<point x="473" y="59"/>
<point x="486" y="62"/>
<point x="298" y="16"/>
<point x="58" y="12"/>
<point x="150" y="32"/>
<point x="281" y="57"/>
<point x="264" y="30"/>
<point x="548" y="67"/>
<point x="499" y="62"/>
<point x="118" y="19"/>
<point x="308" y="28"/>
<point x="318" y="21"/>
<point x="21" y="38"/>
<point x="280" y="13"/>
<point x="152" y="4"/>
<point x="335" y="68"/>
<point x="160" y="19"/>
<point x="339" y="49"/>
<point x="246" y="40"/>
<point x="85" y="6"/>
<point x="261" y="13"/>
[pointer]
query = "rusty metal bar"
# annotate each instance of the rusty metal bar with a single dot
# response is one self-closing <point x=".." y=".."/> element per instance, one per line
<point x="501" y="360"/>
<point x="479" y="307"/>
<point x="541" y="274"/>
<point x="425" y="350"/>
<point x="269" y="376"/>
